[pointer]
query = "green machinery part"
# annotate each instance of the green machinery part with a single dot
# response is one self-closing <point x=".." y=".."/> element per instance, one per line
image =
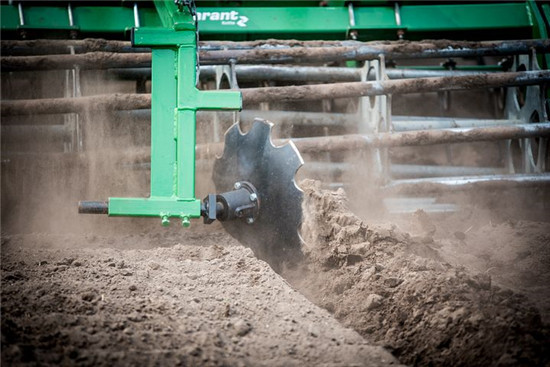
<point x="367" y="20"/>
<point x="175" y="101"/>
<point x="170" y="30"/>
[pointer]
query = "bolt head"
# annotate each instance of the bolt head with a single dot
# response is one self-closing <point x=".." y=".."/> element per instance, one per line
<point x="249" y="220"/>
<point x="237" y="185"/>
<point x="253" y="197"/>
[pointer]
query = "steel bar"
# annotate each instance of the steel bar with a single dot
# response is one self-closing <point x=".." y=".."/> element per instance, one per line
<point x="53" y="47"/>
<point x="46" y="46"/>
<point x="90" y="60"/>
<point x="490" y="182"/>
<point x="411" y="123"/>
<point x="404" y="170"/>
<point x="393" y="73"/>
<point x="398" y="50"/>
<point x="356" y="142"/>
<point x="103" y="102"/>
<point x="405" y="86"/>
<point x="288" y="73"/>
<point x="297" y="73"/>
<point x="414" y="171"/>
<point x="421" y="138"/>
<point x="93" y="207"/>
<point x="285" y="94"/>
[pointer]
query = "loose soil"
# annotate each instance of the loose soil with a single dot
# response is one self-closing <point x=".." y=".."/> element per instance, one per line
<point x="412" y="295"/>
<point x="161" y="299"/>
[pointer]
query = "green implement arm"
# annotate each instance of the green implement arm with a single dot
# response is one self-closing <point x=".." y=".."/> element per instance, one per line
<point x="175" y="101"/>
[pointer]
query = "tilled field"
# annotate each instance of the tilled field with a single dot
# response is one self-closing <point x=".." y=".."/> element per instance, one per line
<point x="200" y="298"/>
<point x="412" y="295"/>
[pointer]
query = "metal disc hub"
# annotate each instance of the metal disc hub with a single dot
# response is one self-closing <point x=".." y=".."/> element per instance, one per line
<point x="252" y="159"/>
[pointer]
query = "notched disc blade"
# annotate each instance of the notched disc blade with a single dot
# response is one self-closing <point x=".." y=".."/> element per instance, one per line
<point x="252" y="157"/>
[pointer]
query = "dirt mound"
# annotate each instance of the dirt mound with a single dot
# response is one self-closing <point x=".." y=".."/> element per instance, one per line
<point x="397" y="291"/>
<point x="129" y="300"/>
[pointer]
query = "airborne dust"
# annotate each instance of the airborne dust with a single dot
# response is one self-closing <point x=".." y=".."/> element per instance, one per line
<point x="467" y="288"/>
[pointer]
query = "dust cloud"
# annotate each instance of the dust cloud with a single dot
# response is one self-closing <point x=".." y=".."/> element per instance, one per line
<point x="400" y="291"/>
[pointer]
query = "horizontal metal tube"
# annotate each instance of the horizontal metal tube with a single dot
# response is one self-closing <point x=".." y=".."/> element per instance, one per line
<point x="104" y="102"/>
<point x="297" y="73"/>
<point x="289" y="73"/>
<point x="90" y="60"/>
<point x="284" y="94"/>
<point x="399" y="50"/>
<point x="414" y="171"/>
<point x="439" y="48"/>
<point x="415" y="73"/>
<point x="356" y="142"/>
<point x="370" y="51"/>
<point x="408" y="123"/>
<point x="50" y="47"/>
<point x="93" y="207"/>
<point x="405" y="86"/>
<point x="491" y="182"/>
<point x="405" y="170"/>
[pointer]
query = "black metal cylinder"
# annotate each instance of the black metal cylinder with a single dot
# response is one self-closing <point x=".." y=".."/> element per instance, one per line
<point x="93" y="207"/>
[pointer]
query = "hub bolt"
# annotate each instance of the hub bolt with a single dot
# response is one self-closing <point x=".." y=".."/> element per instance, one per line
<point x="249" y="220"/>
<point x="253" y="197"/>
<point x="237" y="185"/>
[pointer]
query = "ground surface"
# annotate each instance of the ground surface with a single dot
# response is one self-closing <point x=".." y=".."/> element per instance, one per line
<point x="467" y="301"/>
<point x="467" y="292"/>
<point x="161" y="300"/>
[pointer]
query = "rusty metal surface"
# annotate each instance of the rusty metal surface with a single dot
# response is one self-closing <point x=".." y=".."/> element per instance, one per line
<point x="283" y="55"/>
<point x="286" y="94"/>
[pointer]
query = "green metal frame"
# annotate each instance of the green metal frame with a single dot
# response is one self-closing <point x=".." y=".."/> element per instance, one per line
<point x="259" y="20"/>
<point x="175" y="101"/>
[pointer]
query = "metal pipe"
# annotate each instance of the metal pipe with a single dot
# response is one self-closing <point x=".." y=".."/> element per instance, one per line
<point x="421" y="138"/>
<point x="136" y="16"/>
<point x="93" y="207"/>
<point x="52" y="47"/>
<point x="288" y="73"/>
<point x="399" y="50"/>
<point x="399" y="123"/>
<point x="356" y="142"/>
<point x="284" y="94"/>
<point x="405" y="86"/>
<point x="90" y="60"/>
<point x="78" y="104"/>
<point x="21" y="16"/>
<point x="414" y="171"/>
<point x="491" y="182"/>
<point x="70" y="15"/>
<point x="297" y="73"/>
<point x="434" y="49"/>
<point x="416" y="73"/>
<point x="411" y="123"/>
<point x="370" y="51"/>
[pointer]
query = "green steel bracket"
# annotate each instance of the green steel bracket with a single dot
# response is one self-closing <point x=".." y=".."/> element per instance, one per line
<point x="175" y="101"/>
